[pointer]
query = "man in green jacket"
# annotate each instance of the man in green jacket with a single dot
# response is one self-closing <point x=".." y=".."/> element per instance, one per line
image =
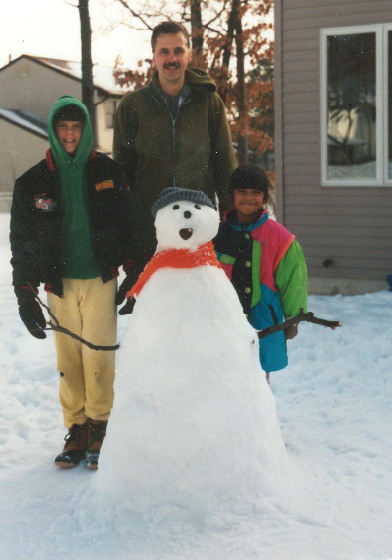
<point x="174" y="132"/>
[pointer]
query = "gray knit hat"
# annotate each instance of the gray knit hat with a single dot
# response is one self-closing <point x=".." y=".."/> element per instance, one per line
<point x="174" y="194"/>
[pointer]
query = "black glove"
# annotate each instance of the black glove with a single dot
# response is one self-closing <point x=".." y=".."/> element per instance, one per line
<point x="291" y="332"/>
<point x="126" y="285"/>
<point x="131" y="277"/>
<point x="128" y="307"/>
<point x="32" y="316"/>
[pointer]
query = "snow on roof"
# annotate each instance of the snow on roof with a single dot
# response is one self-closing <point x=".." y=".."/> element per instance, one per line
<point x="102" y="75"/>
<point x="26" y="120"/>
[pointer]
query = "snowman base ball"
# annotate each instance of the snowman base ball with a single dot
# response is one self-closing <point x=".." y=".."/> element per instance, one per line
<point x="194" y="422"/>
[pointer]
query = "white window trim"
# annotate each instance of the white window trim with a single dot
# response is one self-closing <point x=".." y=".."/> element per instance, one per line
<point x="386" y="28"/>
<point x="381" y="179"/>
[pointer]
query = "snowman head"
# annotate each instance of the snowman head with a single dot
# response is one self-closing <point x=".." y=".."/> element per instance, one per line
<point x="184" y="219"/>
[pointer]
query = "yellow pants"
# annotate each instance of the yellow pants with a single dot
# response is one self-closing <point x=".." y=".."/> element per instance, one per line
<point x="86" y="375"/>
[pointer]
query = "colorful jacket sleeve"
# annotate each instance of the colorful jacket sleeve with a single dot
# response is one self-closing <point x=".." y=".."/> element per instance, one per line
<point x="291" y="279"/>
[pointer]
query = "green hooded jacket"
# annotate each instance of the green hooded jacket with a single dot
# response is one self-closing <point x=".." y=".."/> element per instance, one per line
<point x="78" y="259"/>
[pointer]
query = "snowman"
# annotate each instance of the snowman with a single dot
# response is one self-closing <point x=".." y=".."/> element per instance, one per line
<point x="194" y="420"/>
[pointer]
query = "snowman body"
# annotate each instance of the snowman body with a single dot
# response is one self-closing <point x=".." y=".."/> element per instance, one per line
<point x="193" y="418"/>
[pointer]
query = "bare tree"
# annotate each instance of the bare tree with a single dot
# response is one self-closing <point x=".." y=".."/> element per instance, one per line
<point x="87" y="63"/>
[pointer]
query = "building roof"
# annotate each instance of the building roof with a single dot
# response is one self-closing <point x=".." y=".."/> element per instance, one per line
<point x="25" y="120"/>
<point x="102" y="75"/>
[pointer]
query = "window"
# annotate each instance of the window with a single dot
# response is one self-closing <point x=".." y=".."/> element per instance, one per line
<point x="356" y="115"/>
<point x="110" y="112"/>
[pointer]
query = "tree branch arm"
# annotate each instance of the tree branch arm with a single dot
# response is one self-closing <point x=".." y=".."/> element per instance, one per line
<point x="308" y="317"/>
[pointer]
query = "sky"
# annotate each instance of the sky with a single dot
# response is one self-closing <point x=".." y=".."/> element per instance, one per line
<point x="51" y="28"/>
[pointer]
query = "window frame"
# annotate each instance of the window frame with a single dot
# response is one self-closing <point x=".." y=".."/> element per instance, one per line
<point x="115" y="104"/>
<point x="382" y="115"/>
<point x="386" y="109"/>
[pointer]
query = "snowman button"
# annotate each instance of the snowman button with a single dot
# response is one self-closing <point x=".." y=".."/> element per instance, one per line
<point x="248" y="264"/>
<point x="247" y="290"/>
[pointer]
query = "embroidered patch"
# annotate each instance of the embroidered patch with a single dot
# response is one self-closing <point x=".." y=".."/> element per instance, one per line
<point x="104" y="185"/>
<point x="46" y="204"/>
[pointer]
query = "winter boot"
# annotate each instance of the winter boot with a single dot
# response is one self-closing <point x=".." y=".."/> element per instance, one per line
<point x="75" y="446"/>
<point x="96" y="434"/>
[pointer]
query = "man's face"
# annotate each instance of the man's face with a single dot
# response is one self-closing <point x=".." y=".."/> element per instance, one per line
<point x="69" y="134"/>
<point x="171" y="57"/>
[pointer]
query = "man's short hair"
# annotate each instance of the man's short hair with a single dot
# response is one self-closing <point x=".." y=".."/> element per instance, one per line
<point x="69" y="113"/>
<point x="168" y="27"/>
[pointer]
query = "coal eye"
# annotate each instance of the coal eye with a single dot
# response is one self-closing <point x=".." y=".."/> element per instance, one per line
<point x="175" y="207"/>
<point x="197" y="207"/>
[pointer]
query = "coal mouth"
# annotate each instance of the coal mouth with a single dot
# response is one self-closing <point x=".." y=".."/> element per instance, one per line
<point x="186" y="233"/>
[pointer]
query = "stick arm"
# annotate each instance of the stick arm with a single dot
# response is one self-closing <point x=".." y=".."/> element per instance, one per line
<point x="308" y="317"/>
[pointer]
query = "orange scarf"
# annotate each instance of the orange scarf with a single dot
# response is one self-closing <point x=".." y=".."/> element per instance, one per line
<point x="175" y="258"/>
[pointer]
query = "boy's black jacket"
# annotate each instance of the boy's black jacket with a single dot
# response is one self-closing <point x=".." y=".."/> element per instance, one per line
<point x="36" y="222"/>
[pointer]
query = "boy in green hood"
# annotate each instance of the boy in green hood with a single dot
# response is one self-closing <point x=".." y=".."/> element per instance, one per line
<point x="72" y="226"/>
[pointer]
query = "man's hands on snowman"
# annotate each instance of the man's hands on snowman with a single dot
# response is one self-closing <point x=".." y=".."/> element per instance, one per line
<point x="128" y="307"/>
<point x="132" y="271"/>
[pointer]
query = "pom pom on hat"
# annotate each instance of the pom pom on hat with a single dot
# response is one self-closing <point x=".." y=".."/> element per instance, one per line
<point x="174" y="194"/>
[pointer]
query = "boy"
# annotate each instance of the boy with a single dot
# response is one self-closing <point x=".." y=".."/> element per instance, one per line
<point x="71" y="227"/>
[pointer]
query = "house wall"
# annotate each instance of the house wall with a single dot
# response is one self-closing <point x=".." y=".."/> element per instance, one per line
<point x="350" y="225"/>
<point x="19" y="150"/>
<point x="32" y="87"/>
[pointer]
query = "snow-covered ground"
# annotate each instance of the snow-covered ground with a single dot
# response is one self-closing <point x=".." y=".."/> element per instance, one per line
<point x="334" y="404"/>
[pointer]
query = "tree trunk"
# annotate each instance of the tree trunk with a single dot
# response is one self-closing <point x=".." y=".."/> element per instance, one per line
<point x="242" y="139"/>
<point x="227" y="50"/>
<point x="87" y="64"/>
<point x="197" y="33"/>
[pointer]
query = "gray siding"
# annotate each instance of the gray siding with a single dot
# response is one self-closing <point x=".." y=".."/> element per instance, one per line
<point x="350" y="225"/>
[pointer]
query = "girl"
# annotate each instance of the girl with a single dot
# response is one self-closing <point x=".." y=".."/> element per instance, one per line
<point x="263" y="261"/>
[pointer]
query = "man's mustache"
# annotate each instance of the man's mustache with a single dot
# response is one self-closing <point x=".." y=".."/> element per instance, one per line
<point x="169" y="65"/>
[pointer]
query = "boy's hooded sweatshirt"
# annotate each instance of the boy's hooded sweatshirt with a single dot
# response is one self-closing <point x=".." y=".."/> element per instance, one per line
<point x="78" y="259"/>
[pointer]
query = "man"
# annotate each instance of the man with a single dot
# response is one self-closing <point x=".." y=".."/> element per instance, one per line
<point x="71" y="227"/>
<point x="174" y="132"/>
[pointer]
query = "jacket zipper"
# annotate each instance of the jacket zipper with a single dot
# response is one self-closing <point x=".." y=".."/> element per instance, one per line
<point x="61" y="212"/>
<point x="174" y="148"/>
<point x="174" y="121"/>
<point x="274" y="317"/>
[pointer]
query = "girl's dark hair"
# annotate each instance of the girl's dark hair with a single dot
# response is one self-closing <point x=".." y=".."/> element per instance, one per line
<point x="251" y="177"/>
